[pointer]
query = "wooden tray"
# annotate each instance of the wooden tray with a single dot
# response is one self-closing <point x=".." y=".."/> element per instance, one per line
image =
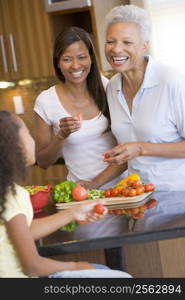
<point x="112" y="203"/>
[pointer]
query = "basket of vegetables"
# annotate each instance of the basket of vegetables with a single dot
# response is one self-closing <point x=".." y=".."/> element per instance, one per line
<point x="39" y="195"/>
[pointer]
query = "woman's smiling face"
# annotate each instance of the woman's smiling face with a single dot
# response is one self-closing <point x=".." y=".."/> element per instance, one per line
<point x="75" y="62"/>
<point x="124" y="47"/>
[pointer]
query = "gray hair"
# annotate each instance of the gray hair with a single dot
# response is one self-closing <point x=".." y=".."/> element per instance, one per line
<point x="131" y="14"/>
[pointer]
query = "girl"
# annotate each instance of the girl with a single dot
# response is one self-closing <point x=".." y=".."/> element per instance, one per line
<point x="18" y="230"/>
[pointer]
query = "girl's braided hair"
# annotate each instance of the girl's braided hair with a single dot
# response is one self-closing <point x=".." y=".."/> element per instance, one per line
<point x="12" y="159"/>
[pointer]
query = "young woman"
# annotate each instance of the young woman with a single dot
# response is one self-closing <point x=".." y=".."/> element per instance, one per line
<point x="18" y="230"/>
<point x="72" y="121"/>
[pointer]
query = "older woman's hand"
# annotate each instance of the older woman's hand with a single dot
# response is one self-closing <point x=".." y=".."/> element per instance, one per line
<point x="69" y="125"/>
<point x="122" y="153"/>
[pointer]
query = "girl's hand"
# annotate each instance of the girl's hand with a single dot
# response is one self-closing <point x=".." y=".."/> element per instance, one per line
<point x="85" y="213"/>
<point x="123" y="152"/>
<point x="69" y="125"/>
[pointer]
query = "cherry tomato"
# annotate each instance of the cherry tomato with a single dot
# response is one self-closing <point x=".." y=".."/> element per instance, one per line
<point x="132" y="193"/>
<point x="149" y="187"/>
<point x="79" y="193"/>
<point x="106" y="155"/>
<point x="134" y="210"/>
<point x="142" y="208"/>
<point x="79" y="116"/>
<point x="118" y="211"/>
<point x="81" y="222"/>
<point x="99" y="208"/>
<point x="114" y="192"/>
<point x="128" y="211"/>
<point x="130" y="182"/>
<point x="140" y="190"/>
<point x="107" y="193"/>
<point x="136" y="183"/>
<point x="140" y="215"/>
<point x="151" y="203"/>
<point x="125" y="192"/>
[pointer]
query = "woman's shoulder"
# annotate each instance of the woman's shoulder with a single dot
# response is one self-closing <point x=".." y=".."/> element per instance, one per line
<point x="169" y="75"/>
<point x="105" y="80"/>
<point x="45" y="97"/>
<point x="47" y="92"/>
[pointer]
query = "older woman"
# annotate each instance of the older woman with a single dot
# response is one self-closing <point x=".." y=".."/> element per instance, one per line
<point x="146" y="101"/>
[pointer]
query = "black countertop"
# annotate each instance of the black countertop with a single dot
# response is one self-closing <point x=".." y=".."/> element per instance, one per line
<point x="166" y="221"/>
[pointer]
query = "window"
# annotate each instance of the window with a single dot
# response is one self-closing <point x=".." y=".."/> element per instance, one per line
<point x="168" y="36"/>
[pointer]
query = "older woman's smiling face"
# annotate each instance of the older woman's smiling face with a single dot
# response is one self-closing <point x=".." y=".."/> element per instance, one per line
<point x="124" y="47"/>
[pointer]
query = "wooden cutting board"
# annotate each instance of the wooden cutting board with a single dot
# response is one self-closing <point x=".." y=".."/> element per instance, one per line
<point x="112" y="203"/>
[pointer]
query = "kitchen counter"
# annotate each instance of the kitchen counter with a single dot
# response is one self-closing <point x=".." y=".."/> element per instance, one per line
<point x="161" y="226"/>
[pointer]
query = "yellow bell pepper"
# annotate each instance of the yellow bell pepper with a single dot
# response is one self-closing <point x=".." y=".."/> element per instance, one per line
<point x="123" y="183"/>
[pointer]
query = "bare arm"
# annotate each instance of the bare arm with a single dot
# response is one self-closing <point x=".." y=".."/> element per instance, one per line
<point x="32" y="263"/>
<point x="48" y="146"/>
<point x="126" y="151"/>
<point x="111" y="172"/>
<point x="83" y="212"/>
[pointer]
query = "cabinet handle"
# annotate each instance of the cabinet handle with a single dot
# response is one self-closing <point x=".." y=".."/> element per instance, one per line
<point x="4" y="54"/>
<point x="13" y="52"/>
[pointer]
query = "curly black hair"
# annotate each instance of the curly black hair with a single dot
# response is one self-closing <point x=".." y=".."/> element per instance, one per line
<point x="12" y="159"/>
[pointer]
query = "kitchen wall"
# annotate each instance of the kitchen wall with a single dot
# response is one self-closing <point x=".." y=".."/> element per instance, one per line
<point x="28" y="93"/>
<point x="55" y="173"/>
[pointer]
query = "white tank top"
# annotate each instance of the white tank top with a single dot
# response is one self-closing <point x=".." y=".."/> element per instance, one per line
<point x="83" y="150"/>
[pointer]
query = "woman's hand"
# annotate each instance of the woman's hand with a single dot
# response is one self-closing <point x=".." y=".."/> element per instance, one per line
<point x="123" y="152"/>
<point x="69" y="125"/>
<point x="85" y="213"/>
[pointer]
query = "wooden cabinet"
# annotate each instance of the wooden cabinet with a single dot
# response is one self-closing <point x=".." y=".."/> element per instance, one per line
<point x="91" y="19"/>
<point x="25" y="40"/>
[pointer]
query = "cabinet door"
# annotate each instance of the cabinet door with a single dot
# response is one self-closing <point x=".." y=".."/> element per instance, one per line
<point x="29" y="38"/>
<point x="4" y="59"/>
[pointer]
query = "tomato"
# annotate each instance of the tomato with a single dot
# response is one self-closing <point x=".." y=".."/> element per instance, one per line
<point x="81" y="222"/>
<point x="130" y="182"/>
<point x="132" y="193"/>
<point x="142" y="208"/>
<point x="79" y="193"/>
<point x="118" y="211"/>
<point x="136" y="183"/>
<point x="140" y="190"/>
<point x="151" y="203"/>
<point x="79" y="116"/>
<point x="149" y="187"/>
<point x="114" y="192"/>
<point x="125" y="192"/>
<point x="106" y="155"/>
<point x="107" y="193"/>
<point x="99" y="208"/>
<point x="134" y="210"/>
<point x="140" y="215"/>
